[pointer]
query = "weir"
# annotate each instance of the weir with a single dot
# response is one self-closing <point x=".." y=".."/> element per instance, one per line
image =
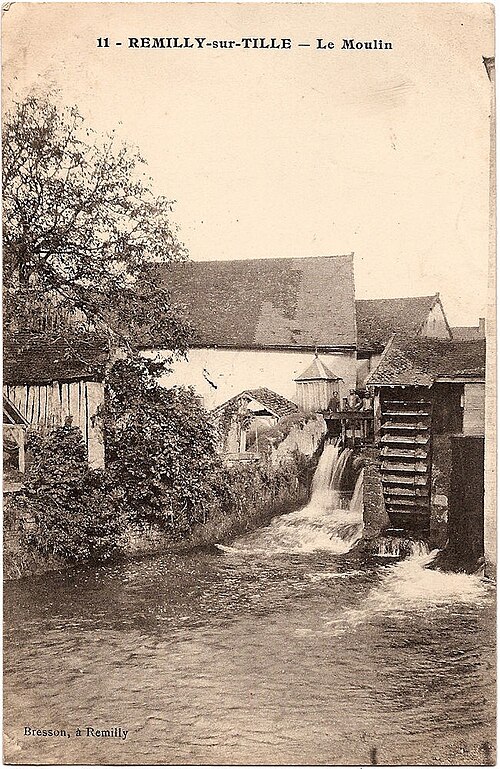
<point x="331" y="521"/>
<point x="396" y="545"/>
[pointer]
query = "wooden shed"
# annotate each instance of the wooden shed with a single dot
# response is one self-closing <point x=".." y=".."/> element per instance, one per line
<point x="49" y="377"/>
<point x="426" y="391"/>
<point x="14" y="433"/>
<point x="318" y="388"/>
<point x="242" y="417"/>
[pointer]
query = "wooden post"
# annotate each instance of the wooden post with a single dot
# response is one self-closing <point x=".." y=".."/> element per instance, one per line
<point x="20" y="440"/>
<point x="377" y="414"/>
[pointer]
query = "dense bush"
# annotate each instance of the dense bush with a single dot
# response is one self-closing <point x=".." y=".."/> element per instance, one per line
<point x="64" y="508"/>
<point x="163" y="474"/>
<point x="161" y="449"/>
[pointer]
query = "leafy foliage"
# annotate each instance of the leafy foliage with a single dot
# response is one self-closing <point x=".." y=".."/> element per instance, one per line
<point x="64" y="506"/>
<point x="160" y="449"/>
<point x="257" y="492"/>
<point x="81" y="225"/>
<point x="272" y="436"/>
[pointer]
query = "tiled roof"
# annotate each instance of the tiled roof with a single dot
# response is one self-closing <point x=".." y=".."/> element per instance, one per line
<point x="259" y="303"/>
<point x="42" y="357"/>
<point x="317" y="370"/>
<point x="378" y="319"/>
<point x="276" y="403"/>
<point x="421" y="361"/>
<point x="467" y="332"/>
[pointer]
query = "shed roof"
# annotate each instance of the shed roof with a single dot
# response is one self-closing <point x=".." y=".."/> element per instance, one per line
<point x="272" y="401"/>
<point x="42" y="357"/>
<point x="378" y="319"/>
<point x="421" y="361"/>
<point x="317" y="370"/>
<point x="258" y="303"/>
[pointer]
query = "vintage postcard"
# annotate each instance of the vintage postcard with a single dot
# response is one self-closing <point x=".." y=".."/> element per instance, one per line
<point x="249" y="398"/>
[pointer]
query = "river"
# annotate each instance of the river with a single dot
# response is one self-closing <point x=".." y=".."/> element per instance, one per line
<point x="287" y="647"/>
<point x="234" y="657"/>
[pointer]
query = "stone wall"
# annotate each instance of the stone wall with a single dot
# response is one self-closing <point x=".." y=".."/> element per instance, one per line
<point x="375" y="517"/>
<point x="18" y="560"/>
<point x="304" y="438"/>
<point x="440" y="489"/>
<point x="464" y="550"/>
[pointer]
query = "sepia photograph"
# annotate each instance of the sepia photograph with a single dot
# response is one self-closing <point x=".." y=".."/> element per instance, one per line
<point x="249" y="384"/>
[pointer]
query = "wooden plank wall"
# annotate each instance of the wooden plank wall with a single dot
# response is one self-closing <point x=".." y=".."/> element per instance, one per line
<point x="46" y="406"/>
<point x="315" y="395"/>
<point x="474" y="402"/>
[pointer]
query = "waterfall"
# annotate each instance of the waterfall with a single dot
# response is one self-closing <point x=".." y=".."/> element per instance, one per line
<point x="356" y="503"/>
<point x="322" y="479"/>
<point x="331" y="521"/>
<point x="340" y="470"/>
<point x="400" y="547"/>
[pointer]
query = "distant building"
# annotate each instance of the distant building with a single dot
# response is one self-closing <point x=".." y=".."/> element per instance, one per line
<point x="258" y="322"/>
<point x="50" y="377"/>
<point x="469" y="333"/>
<point x="377" y="320"/>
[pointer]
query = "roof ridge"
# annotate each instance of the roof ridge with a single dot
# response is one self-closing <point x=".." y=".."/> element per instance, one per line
<point x="397" y="298"/>
<point x="254" y="259"/>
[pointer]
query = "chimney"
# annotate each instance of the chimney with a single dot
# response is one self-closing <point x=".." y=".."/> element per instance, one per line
<point x="482" y="329"/>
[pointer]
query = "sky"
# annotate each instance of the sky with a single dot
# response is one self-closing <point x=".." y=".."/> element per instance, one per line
<point x="301" y="152"/>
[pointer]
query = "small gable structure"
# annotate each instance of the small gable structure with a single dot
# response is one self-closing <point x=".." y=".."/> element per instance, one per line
<point x="318" y="388"/>
<point x="378" y="320"/>
<point x="242" y="417"/>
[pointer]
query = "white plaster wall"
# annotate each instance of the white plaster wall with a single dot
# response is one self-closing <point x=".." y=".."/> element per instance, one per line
<point x="365" y="366"/>
<point x="435" y="325"/>
<point x="233" y="371"/>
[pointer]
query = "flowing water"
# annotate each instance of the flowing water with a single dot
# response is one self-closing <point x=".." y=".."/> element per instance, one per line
<point x="332" y="521"/>
<point x="284" y="649"/>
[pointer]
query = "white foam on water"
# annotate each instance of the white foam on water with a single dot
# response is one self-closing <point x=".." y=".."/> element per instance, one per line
<point x="401" y="547"/>
<point x="409" y="587"/>
<point x="332" y="521"/>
